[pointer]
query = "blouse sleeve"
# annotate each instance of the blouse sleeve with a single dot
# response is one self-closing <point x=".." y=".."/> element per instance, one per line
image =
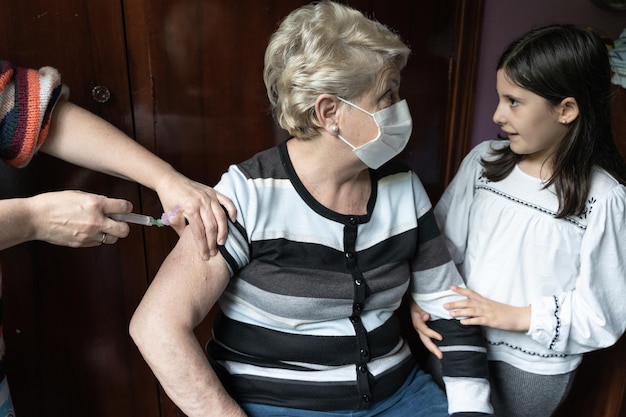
<point x="452" y="210"/>
<point x="27" y="98"/>
<point x="593" y="315"/>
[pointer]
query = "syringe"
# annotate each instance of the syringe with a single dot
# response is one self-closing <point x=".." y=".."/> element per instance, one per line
<point x="137" y="219"/>
<point x="146" y="220"/>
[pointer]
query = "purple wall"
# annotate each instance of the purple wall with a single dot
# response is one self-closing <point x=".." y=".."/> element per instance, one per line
<point x="505" y="20"/>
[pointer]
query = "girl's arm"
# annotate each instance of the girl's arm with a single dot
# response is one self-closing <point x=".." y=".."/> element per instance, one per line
<point x="477" y="310"/>
<point x="452" y="211"/>
<point x="82" y="138"/>
<point x="179" y="298"/>
<point x="593" y="314"/>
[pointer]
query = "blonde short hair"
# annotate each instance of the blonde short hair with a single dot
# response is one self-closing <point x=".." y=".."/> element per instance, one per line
<point x="325" y="47"/>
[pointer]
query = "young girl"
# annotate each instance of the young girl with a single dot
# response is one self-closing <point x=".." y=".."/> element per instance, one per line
<point x="536" y="223"/>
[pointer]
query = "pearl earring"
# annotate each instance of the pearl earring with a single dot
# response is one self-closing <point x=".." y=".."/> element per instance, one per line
<point x="564" y="121"/>
<point x="335" y="129"/>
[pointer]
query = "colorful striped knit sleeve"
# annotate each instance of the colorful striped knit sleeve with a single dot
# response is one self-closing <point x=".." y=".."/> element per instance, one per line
<point x="27" y="98"/>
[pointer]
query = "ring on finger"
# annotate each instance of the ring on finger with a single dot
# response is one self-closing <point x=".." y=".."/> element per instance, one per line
<point x="104" y="238"/>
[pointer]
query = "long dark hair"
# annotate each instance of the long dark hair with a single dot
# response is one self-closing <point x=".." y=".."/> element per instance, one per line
<point x="555" y="62"/>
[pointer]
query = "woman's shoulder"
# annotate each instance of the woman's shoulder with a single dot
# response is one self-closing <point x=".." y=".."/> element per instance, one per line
<point x="265" y="164"/>
<point x="243" y="180"/>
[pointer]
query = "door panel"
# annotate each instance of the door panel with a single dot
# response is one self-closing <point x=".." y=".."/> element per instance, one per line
<point x="67" y="310"/>
<point x="599" y="388"/>
<point x="186" y="81"/>
<point x="199" y="100"/>
<point x="198" y="94"/>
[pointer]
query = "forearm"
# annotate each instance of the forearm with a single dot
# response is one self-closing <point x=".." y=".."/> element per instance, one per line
<point x="183" y="370"/>
<point x="178" y="299"/>
<point x="464" y="368"/>
<point x="575" y="323"/>
<point x="15" y="222"/>
<point x="82" y="138"/>
<point x="66" y="218"/>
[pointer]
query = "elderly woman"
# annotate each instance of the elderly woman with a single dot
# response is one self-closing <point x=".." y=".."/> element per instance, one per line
<point x="329" y="236"/>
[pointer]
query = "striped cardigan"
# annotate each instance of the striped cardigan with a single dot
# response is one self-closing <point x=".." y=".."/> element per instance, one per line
<point x="27" y="98"/>
<point x="308" y="319"/>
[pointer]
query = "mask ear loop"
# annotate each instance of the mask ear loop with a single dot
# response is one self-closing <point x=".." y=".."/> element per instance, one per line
<point x="372" y="115"/>
<point x="354" y="105"/>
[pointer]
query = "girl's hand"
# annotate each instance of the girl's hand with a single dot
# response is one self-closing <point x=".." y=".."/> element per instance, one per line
<point x="201" y="205"/>
<point x="480" y="311"/>
<point x="419" y="318"/>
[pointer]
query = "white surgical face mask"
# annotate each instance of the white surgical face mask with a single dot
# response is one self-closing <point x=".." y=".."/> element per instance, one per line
<point x="394" y="130"/>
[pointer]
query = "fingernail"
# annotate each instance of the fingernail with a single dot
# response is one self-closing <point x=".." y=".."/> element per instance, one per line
<point x="213" y="253"/>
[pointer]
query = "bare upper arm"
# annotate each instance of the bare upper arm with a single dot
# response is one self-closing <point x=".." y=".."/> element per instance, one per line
<point x="185" y="287"/>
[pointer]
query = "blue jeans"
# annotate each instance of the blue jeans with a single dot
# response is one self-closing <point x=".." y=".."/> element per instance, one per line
<point x="419" y="396"/>
<point x="6" y="405"/>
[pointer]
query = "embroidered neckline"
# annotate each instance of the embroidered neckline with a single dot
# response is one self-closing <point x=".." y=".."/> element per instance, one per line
<point x="484" y="184"/>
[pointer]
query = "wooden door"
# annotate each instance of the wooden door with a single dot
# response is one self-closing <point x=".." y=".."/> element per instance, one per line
<point x="67" y="310"/>
<point x="199" y="100"/>
<point x="186" y="82"/>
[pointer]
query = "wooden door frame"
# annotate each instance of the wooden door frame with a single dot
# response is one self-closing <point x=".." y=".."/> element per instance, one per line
<point x="462" y="75"/>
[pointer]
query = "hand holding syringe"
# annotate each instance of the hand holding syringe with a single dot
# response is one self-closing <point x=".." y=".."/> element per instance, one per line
<point x="145" y="220"/>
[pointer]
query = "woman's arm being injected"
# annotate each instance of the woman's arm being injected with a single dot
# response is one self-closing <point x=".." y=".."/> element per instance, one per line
<point x="178" y="299"/>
